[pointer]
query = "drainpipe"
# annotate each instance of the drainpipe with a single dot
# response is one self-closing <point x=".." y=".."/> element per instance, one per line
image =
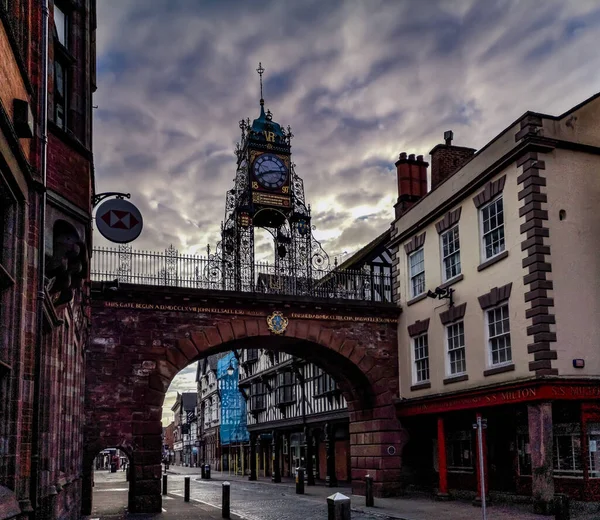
<point x="37" y="392"/>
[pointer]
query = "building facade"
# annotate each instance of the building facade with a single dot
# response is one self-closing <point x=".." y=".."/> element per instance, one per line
<point x="296" y="417"/>
<point x="46" y="188"/>
<point x="184" y="426"/>
<point x="209" y="406"/>
<point x="496" y="271"/>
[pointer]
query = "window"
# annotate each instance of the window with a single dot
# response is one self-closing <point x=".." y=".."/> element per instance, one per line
<point x="499" y="335"/>
<point x="567" y="450"/>
<point x="492" y="220"/>
<point x="459" y="451"/>
<point x="286" y="387"/>
<point x="251" y="355"/>
<point x="60" y="93"/>
<point x="417" y="272"/>
<point x="258" y="399"/>
<point x="594" y="449"/>
<point x="61" y="25"/>
<point x="456" y="348"/>
<point x="450" y="254"/>
<point x="324" y="383"/>
<point x="421" y="358"/>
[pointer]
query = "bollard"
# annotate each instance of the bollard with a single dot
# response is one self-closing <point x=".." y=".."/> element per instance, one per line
<point x="202" y="471"/>
<point x="561" y="507"/>
<point x="186" y="489"/>
<point x="369" y="502"/>
<point x="226" y="499"/>
<point x="164" y="484"/>
<point x="300" y="481"/>
<point x="338" y="507"/>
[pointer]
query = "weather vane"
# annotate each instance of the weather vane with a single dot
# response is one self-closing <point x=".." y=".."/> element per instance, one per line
<point x="261" y="71"/>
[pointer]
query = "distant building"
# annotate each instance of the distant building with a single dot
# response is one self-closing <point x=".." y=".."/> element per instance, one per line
<point x="168" y="439"/>
<point x="209" y="407"/>
<point x="184" y="411"/>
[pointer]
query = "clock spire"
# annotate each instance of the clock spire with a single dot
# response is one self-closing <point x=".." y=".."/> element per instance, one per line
<point x="261" y="71"/>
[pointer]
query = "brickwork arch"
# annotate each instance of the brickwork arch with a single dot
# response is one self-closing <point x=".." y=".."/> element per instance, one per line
<point x="135" y="353"/>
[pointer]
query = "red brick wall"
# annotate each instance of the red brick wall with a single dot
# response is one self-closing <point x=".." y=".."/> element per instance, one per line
<point x="69" y="173"/>
<point x="145" y="349"/>
<point x="342" y="450"/>
<point x="445" y="160"/>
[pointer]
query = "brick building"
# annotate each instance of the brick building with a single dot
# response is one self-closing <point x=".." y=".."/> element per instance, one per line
<point x="496" y="270"/>
<point x="45" y="236"/>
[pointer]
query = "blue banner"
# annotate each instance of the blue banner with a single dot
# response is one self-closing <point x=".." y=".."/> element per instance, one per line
<point x="233" y="405"/>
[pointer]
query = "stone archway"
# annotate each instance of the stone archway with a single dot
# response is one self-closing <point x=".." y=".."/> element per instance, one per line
<point x="138" y="347"/>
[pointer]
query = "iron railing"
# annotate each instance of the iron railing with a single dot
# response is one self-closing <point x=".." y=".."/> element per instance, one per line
<point x="171" y="268"/>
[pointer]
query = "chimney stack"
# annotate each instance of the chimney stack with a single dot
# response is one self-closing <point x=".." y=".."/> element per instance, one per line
<point x="412" y="182"/>
<point x="447" y="159"/>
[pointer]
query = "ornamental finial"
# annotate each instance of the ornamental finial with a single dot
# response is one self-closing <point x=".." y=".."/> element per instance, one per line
<point x="261" y="71"/>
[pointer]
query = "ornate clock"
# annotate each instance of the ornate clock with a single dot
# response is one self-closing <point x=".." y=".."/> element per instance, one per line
<point x="270" y="171"/>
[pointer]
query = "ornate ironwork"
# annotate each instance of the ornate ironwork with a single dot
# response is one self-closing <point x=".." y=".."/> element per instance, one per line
<point x="170" y="268"/>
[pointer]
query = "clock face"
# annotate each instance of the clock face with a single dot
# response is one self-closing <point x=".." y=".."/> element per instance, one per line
<point x="270" y="171"/>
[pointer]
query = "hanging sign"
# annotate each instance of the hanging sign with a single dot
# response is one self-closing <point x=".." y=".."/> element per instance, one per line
<point x="118" y="220"/>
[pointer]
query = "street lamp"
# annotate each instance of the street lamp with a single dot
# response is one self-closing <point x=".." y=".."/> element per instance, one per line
<point x="230" y="369"/>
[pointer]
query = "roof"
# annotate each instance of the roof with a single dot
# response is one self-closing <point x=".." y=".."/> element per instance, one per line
<point x="189" y="400"/>
<point x="362" y="253"/>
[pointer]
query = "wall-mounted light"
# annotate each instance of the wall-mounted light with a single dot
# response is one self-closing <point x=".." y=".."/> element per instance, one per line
<point x="442" y="294"/>
<point x="230" y="369"/>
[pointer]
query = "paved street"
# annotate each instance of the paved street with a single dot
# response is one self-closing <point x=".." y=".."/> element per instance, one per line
<point x="264" y="500"/>
<point x="267" y="501"/>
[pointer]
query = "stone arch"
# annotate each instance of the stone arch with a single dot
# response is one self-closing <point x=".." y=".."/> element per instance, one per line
<point x="147" y="351"/>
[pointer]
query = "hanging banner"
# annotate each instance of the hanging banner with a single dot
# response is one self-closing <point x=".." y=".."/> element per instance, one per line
<point x="233" y="406"/>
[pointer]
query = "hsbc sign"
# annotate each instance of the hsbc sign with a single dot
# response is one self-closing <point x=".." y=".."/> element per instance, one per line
<point x="119" y="221"/>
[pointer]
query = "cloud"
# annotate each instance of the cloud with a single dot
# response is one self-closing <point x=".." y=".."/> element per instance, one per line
<point x="359" y="82"/>
<point x="184" y="381"/>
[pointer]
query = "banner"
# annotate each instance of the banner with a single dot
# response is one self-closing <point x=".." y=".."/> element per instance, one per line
<point x="233" y="406"/>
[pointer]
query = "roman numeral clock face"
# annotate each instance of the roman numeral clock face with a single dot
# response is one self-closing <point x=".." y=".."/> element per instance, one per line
<point x="270" y="171"/>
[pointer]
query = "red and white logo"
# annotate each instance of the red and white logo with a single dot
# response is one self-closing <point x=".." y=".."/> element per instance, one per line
<point x="119" y="221"/>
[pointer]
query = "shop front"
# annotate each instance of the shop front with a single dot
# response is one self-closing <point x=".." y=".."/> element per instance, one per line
<point x="541" y="437"/>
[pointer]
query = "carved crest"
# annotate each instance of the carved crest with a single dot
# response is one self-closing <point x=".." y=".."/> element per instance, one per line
<point x="277" y="322"/>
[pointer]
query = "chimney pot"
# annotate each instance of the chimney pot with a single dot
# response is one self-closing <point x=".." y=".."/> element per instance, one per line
<point x="419" y="158"/>
<point x="402" y="155"/>
<point x="411" y="157"/>
<point x="412" y="182"/>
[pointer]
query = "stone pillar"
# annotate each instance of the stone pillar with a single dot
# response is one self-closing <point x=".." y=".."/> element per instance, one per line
<point x="541" y="444"/>
<point x="442" y="465"/>
<point x="252" y="457"/>
<point x="485" y="462"/>
<point x="330" y="479"/>
<point x="276" y="476"/>
<point x="310" y="475"/>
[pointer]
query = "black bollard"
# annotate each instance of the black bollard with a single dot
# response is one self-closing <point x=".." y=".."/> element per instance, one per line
<point x="338" y="507"/>
<point x="369" y="502"/>
<point x="226" y="499"/>
<point x="561" y="507"/>
<point x="300" y="481"/>
<point x="186" y="489"/>
<point x="164" y="484"/>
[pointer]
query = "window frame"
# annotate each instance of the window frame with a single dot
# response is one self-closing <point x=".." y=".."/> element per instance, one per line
<point x="443" y="258"/>
<point x="416" y="360"/>
<point x="258" y="400"/>
<point x="483" y="234"/>
<point x="324" y="384"/>
<point x="463" y="437"/>
<point x="286" y="388"/>
<point x="412" y="277"/>
<point x="489" y="338"/>
<point x="449" y="372"/>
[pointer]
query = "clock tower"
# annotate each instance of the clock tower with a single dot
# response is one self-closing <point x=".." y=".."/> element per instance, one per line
<point x="267" y="194"/>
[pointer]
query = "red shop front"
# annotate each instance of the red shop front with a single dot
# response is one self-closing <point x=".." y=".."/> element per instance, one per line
<point x="542" y="438"/>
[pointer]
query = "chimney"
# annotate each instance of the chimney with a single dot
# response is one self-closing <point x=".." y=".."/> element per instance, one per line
<point x="447" y="159"/>
<point x="412" y="182"/>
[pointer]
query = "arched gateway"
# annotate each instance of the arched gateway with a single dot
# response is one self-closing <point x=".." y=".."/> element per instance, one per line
<point x="142" y="336"/>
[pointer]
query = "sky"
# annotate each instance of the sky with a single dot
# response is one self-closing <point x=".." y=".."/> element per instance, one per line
<point x="359" y="81"/>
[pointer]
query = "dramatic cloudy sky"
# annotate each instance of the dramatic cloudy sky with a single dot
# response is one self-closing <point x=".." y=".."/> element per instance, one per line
<point x="358" y="81"/>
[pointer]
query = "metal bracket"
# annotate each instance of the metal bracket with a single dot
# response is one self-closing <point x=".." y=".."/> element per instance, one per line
<point x="99" y="197"/>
